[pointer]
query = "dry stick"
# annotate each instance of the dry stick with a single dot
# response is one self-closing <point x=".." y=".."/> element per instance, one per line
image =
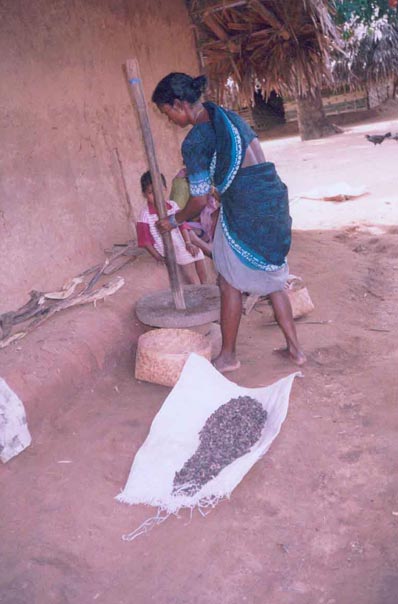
<point x="326" y="322"/>
<point x="74" y="300"/>
<point x="9" y="319"/>
<point x="128" y="253"/>
<point x="66" y="291"/>
<point x="90" y="270"/>
<point x="137" y="94"/>
<point x="40" y="302"/>
<point x="95" y="278"/>
<point x="40" y="305"/>
<point x="375" y="295"/>
<point x="298" y="322"/>
<point x="107" y="268"/>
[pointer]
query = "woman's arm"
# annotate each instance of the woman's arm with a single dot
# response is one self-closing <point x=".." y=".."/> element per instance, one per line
<point x="194" y="207"/>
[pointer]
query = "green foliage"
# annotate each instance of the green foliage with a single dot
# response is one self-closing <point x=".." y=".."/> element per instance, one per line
<point x="370" y="51"/>
<point x="364" y="10"/>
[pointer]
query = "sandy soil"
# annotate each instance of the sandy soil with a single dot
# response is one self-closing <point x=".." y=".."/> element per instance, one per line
<point x="315" y="521"/>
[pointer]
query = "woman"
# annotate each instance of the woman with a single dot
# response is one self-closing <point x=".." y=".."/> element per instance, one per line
<point x="253" y="232"/>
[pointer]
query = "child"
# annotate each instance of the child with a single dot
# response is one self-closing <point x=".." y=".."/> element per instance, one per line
<point x="204" y="227"/>
<point x="188" y="256"/>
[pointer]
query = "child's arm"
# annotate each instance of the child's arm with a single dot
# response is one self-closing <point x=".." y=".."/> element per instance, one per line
<point x="202" y="245"/>
<point x="191" y="248"/>
<point x="151" y="249"/>
<point x="145" y="239"/>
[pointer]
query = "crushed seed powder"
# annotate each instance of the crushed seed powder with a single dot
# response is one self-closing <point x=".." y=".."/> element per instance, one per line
<point x="228" y="433"/>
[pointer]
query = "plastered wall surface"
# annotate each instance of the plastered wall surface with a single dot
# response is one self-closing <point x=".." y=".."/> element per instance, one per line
<point x="71" y="149"/>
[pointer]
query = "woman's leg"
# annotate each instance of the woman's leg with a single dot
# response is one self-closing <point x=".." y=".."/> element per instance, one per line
<point x="284" y="317"/>
<point x="231" y="311"/>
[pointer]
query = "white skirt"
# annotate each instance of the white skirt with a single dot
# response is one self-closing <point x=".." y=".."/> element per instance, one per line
<point x="242" y="277"/>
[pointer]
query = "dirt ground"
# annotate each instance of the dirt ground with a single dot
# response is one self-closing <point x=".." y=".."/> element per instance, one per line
<point x="315" y="521"/>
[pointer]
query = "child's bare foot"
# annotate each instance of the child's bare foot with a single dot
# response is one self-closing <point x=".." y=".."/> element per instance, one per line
<point x="296" y="356"/>
<point x="225" y="363"/>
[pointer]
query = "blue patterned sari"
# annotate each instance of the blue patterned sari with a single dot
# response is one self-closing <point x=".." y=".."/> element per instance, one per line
<point x="254" y="201"/>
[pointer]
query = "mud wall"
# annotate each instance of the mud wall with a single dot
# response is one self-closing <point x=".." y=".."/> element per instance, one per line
<point x="71" y="147"/>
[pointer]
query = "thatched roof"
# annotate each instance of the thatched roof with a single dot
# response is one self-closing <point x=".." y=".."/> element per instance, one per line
<point x="282" y="44"/>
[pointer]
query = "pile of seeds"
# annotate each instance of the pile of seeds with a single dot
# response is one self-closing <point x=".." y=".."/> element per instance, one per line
<point x="228" y="433"/>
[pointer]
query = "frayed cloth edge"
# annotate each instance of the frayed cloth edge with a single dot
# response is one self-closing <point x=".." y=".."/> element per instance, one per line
<point x="204" y="507"/>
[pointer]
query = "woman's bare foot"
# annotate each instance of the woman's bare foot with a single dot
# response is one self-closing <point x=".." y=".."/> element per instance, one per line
<point x="225" y="363"/>
<point x="297" y="356"/>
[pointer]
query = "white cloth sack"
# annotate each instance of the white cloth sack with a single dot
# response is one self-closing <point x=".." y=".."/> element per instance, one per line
<point x="14" y="432"/>
<point x="174" y="438"/>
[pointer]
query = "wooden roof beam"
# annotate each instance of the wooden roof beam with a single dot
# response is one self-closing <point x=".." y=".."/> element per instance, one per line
<point x="215" y="27"/>
<point x="265" y="13"/>
<point x="224" y="5"/>
<point x="269" y="18"/>
<point x="234" y="42"/>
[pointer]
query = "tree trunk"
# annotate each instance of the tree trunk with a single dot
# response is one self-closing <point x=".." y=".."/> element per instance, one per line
<point x="312" y="120"/>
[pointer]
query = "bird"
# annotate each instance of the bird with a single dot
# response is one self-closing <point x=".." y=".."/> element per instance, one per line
<point x="395" y="137"/>
<point x="377" y="139"/>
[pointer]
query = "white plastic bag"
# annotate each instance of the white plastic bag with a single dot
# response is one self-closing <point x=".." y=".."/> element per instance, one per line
<point x="174" y="438"/>
<point x="14" y="432"/>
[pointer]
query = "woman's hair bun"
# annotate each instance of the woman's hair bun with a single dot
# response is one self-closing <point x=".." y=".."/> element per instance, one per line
<point x="199" y="83"/>
<point x="179" y="86"/>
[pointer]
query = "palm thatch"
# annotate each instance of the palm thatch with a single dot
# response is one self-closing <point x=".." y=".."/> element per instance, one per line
<point x="371" y="53"/>
<point x="281" y="45"/>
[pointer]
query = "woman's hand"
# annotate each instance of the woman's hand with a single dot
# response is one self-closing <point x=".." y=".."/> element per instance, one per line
<point x="164" y="226"/>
